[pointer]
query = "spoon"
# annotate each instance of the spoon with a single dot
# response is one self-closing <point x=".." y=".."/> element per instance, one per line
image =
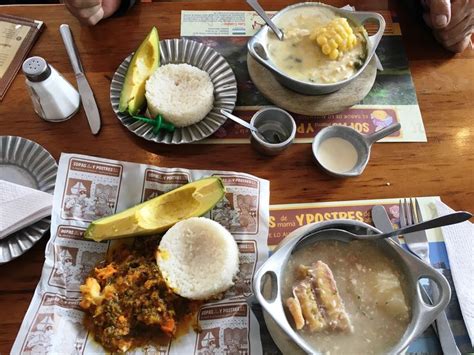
<point x="362" y="144"/>
<point x="244" y="123"/>
<point x="259" y="10"/>
<point x="452" y="218"/>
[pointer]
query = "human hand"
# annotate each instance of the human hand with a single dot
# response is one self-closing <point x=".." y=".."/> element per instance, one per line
<point x="90" y="12"/>
<point x="452" y="22"/>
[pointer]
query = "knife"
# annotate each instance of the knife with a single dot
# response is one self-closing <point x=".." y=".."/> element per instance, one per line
<point x="382" y="222"/>
<point x="442" y="328"/>
<point x="87" y="96"/>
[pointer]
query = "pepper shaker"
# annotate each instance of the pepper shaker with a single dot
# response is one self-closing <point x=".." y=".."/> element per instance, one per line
<point x="54" y="98"/>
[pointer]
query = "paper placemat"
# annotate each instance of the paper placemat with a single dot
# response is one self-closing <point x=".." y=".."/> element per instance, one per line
<point x="88" y="188"/>
<point x="392" y="98"/>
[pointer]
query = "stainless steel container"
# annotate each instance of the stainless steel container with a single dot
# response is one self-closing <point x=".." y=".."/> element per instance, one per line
<point x="272" y="121"/>
<point x="414" y="269"/>
<point x="257" y="47"/>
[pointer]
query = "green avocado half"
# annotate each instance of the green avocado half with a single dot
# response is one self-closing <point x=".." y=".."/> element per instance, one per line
<point x="144" y="62"/>
<point x="160" y="213"/>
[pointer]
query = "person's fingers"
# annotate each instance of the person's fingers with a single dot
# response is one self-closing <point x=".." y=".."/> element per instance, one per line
<point x="88" y="16"/>
<point x="425" y="4"/>
<point x="427" y="19"/>
<point x="457" y="33"/>
<point x="88" y="12"/>
<point x="96" y="17"/>
<point x="110" y="7"/>
<point x="82" y="4"/>
<point x="456" y="43"/>
<point x="429" y="22"/>
<point x="440" y="12"/>
<point x="461" y="46"/>
<point x="459" y="37"/>
<point x="460" y="14"/>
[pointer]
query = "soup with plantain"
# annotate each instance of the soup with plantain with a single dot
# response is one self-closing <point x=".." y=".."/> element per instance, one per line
<point x="346" y="298"/>
<point x="318" y="46"/>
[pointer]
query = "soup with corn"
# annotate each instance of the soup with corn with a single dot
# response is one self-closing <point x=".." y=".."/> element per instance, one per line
<point x="318" y="46"/>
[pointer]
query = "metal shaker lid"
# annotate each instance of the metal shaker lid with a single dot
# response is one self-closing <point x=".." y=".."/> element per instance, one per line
<point x="36" y="69"/>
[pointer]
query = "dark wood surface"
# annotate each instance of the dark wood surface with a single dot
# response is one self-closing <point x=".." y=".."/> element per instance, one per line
<point x="443" y="166"/>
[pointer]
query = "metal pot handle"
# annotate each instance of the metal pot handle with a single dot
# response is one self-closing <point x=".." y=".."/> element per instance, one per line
<point x="430" y="312"/>
<point x="374" y="39"/>
<point x="258" y="52"/>
<point x="274" y="306"/>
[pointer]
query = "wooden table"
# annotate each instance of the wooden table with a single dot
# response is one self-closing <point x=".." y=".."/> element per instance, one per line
<point x="443" y="166"/>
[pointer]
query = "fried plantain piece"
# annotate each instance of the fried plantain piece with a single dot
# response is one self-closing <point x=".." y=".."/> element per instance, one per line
<point x="295" y="310"/>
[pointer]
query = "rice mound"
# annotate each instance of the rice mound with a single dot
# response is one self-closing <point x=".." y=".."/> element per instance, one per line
<point x="181" y="93"/>
<point x="198" y="258"/>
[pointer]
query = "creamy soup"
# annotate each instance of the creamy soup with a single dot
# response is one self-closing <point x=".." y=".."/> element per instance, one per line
<point x="369" y="310"/>
<point x="301" y="58"/>
<point x="337" y="154"/>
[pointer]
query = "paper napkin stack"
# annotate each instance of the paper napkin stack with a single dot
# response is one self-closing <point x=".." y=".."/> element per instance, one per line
<point x="21" y="206"/>
<point x="459" y="241"/>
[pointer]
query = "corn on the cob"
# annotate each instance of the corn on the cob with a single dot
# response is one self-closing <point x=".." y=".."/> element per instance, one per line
<point x="335" y="38"/>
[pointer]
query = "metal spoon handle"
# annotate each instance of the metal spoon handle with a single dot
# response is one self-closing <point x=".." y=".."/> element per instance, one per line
<point x="452" y="218"/>
<point x="259" y="10"/>
<point x="239" y="121"/>
<point x="374" y="137"/>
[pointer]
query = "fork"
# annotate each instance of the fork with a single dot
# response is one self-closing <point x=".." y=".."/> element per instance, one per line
<point x="417" y="243"/>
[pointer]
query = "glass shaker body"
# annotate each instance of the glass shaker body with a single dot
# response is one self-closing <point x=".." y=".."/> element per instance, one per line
<point x="54" y="98"/>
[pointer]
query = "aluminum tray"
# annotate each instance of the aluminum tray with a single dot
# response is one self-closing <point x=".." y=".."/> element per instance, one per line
<point x="202" y="57"/>
<point x="26" y="163"/>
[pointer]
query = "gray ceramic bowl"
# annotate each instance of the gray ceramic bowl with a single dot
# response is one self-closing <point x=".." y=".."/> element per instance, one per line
<point x="257" y="46"/>
<point x="422" y="315"/>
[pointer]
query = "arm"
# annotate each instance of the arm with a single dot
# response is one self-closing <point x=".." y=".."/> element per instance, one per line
<point x="90" y="12"/>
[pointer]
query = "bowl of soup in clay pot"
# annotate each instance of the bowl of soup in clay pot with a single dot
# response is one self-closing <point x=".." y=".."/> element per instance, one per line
<point x="323" y="49"/>
<point x="328" y="293"/>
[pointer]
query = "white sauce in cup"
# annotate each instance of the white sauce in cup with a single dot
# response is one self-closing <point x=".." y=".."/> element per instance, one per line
<point x="337" y="155"/>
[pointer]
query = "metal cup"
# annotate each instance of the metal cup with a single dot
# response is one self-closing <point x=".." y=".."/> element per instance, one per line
<point x="277" y="127"/>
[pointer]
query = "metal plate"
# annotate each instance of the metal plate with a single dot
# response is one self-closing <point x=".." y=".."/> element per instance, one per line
<point x="26" y="163"/>
<point x="202" y="57"/>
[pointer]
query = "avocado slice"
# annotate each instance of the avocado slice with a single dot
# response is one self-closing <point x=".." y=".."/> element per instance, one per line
<point x="144" y="62"/>
<point x="160" y="213"/>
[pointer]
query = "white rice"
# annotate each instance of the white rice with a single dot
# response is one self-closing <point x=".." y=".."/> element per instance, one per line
<point x="181" y="93"/>
<point x="198" y="258"/>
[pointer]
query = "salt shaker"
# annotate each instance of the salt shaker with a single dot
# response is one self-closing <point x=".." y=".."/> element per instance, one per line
<point x="54" y="98"/>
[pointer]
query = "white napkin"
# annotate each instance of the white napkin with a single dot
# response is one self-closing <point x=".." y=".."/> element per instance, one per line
<point x="21" y="206"/>
<point x="459" y="240"/>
